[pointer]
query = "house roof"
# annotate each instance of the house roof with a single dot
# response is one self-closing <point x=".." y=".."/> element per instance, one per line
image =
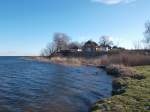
<point x="90" y="43"/>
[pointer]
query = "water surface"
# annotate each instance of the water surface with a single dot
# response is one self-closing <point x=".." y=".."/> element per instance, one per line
<point x="32" y="86"/>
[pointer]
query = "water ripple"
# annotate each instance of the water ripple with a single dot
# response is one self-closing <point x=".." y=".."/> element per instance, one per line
<point x="31" y="86"/>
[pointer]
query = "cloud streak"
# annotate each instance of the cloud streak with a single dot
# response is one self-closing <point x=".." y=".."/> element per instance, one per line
<point x="113" y="2"/>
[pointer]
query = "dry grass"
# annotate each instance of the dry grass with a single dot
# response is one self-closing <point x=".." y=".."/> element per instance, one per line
<point x="79" y="61"/>
<point x="122" y="71"/>
<point x="66" y="61"/>
<point x="136" y="97"/>
<point x="129" y="59"/>
<point x="125" y="58"/>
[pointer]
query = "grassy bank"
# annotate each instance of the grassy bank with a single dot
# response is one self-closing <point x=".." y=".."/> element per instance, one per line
<point x="126" y="57"/>
<point x="71" y="61"/>
<point x="136" y="98"/>
<point x="133" y="83"/>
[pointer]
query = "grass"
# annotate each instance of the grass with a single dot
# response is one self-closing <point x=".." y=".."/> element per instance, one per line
<point x="126" y="58"/>
<point x="135" y="99"/>
<point x="76" y="61"/>
<point x="129" y="58"/>
<point x="66" y="61"/>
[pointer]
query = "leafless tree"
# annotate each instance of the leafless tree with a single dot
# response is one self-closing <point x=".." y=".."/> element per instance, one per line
<point x="74" y="45"/>
<point x="61" y="41"/>
<point x="49" y="50"/>
<point x="137" y="45"/>
<point x="105" y="41"/>
<point x="147" y="35"/>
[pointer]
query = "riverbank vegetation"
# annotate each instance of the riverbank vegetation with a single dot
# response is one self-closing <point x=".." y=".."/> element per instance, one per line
<point x="126" y="58"/>
<point x="131" y="68"/>
<point x="135" y="98"/>
<point x="63" y="51"/>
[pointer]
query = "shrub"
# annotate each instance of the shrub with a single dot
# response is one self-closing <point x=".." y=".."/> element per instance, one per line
<point x="129" y="59"/>
<point x="122" y="71"/>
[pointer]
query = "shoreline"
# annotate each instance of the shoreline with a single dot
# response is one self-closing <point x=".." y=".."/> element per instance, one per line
<point x="120" y="84"/>
<point x="58" y="61"/>
<point x="68" y="61"/>
<point x="126" y="88"/>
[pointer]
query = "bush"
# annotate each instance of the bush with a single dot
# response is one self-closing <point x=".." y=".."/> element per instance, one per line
<point x="122" y="71"/>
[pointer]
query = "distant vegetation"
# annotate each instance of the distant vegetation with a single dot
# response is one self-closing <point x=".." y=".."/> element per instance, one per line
<point x="147" y="35"/>
<point x="105" y="52"/>
<point x="62" y="41"/>
<point x="134" y="94"/>
<point x="131" y="84"/>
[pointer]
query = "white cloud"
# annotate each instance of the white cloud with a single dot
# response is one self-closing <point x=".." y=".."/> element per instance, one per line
<point x="112" y="2"/>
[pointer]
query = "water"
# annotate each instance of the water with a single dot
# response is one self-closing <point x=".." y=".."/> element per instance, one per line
<point x="32" y="86"/>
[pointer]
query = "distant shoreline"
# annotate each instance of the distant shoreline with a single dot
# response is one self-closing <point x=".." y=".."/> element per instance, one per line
<point x="71" y="61"/>
<point x="122" y="78"/>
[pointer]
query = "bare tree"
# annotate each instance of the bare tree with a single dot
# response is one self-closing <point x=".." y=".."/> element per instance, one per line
<point x="74" y="45"/>
<point x="61" y="41"/>
<point x="105" y="41"/>
<point x="49" y="50"/>
<point x="147" y="35"/>
<point x="137" y="45"/>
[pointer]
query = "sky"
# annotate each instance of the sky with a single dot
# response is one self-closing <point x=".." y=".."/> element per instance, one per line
<point x="26" y="26"/>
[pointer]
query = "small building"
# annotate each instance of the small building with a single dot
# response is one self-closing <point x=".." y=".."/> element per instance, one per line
<point x="105" y="47"/>
<point x="74" y="48"/>
<point x="90" y="46"/>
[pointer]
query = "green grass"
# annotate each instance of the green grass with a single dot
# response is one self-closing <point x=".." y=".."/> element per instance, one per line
<point x="135" y="99"/>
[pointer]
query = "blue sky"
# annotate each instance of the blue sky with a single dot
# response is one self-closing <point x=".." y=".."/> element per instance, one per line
<point x="26" y="26"/>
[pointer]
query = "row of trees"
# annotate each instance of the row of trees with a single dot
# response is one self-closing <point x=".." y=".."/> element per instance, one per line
<point x="61" y="41"/>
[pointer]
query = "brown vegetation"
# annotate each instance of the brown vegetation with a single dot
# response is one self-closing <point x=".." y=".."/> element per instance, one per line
<point x="129" y="59"/>
<point x="130" y="95"/>
<point x="77" y="61"/>
<point x="126" y="58"/>
<point x="122" y="71"/>
<point x="66" y="61"/>
<point x="119" y="57"/>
